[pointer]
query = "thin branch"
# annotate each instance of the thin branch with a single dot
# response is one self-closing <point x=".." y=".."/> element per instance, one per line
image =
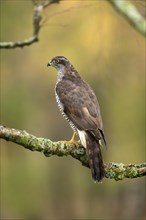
<point x="37" y="12"/>
<point x="130" y="12"/>
<point x="113" y="170"/>
<point x="21" y="44"/>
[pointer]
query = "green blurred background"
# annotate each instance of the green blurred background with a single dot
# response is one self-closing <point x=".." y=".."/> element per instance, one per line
<point x="110" y="55"/>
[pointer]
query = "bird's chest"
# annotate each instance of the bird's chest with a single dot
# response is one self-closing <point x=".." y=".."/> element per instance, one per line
<point x="61" y="108"/>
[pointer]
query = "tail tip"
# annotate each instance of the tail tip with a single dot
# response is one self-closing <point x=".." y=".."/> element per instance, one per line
<point x="99" y="177"/>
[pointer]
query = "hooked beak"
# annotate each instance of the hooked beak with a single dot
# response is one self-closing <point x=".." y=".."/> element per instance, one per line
<point x="49" y="64"/>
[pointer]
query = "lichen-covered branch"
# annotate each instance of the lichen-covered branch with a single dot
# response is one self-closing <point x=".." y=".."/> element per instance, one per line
<point x="113" y="170"/>
<point x="130" y="12"/>
<point x="37" y="17"/>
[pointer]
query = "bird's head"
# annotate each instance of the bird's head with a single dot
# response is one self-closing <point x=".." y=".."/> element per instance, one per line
<point x="60" y="63"/>
<point x="64" y="67"/>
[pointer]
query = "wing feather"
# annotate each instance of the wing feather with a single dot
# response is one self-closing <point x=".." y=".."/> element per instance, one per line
<point x="80" y="104"/>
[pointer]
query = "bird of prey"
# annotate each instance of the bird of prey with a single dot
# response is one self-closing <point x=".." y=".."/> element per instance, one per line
<point x="79" y="106"/>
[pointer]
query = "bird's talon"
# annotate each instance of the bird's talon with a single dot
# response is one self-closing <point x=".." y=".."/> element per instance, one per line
<point x="72" y="140"/>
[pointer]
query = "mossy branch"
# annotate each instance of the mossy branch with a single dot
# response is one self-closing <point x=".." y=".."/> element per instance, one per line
<point x="130" y="12"/>
<point x="113" y="170"/>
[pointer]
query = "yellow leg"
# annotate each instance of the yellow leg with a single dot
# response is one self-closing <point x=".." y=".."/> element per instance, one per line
<point x="72" y="140"/>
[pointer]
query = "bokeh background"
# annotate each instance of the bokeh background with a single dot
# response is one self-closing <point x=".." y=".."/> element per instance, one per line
<point x="110" y="55"/>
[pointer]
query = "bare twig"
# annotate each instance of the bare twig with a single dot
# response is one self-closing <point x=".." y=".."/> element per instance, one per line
<point x="20" y="44"/>
<point x="127" y="9"/>
<point x="113" y="170"/>
<point x="130" y="12"/>
<point x="37" y="12"/>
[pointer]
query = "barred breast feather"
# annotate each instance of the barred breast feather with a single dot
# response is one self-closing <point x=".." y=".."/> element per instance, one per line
<point x="61" y="108"/>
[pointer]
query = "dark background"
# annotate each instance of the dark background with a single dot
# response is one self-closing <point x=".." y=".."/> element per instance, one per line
<point x="110" y="55"/>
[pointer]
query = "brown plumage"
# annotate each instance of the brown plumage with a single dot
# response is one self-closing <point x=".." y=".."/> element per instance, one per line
<point x="79" y="105"/>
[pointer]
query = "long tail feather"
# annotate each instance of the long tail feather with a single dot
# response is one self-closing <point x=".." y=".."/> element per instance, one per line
<point x="95" y="157"/>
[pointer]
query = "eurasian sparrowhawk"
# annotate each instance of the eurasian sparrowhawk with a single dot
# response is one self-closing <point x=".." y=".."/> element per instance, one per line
<point x="78" y="104"/>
